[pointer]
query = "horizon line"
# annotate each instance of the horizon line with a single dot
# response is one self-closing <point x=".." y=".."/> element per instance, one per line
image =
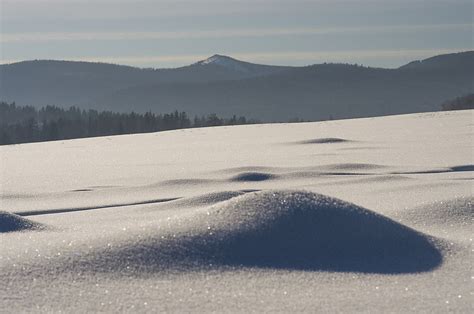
<point x="111" y="60"/>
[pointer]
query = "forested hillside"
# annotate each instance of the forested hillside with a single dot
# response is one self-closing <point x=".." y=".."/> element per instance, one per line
<point x="22" y="124"/>
<point x="228" y="86"/>
<point x="459" y="103"/>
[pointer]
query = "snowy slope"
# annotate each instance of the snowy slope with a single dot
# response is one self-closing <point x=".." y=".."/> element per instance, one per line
<point x="247" y="68"/>
<point x="363" y="215"/>
<point x="224" y="61"/>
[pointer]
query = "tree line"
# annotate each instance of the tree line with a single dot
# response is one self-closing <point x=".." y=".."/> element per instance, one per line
<point x="24" y="124"/>
<point x="459" y="103"/>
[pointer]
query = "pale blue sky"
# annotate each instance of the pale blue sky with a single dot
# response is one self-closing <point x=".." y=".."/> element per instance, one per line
<point x="169" y="33"/>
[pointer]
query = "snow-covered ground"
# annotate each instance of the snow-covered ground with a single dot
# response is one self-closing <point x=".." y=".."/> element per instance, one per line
<point x="365" y="215"/>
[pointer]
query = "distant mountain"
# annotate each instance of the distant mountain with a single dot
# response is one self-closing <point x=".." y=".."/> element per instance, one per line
<point x="447" y="61"/>
<point x="236" y="66"/>
<point x="43" y="82"/>
<point x="227" y="86"/>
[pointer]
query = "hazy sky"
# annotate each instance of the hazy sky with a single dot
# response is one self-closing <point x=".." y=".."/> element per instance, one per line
<point x="169" y="33"/>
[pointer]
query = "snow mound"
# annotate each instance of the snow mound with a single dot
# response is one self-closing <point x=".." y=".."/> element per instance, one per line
<point x="206" y="199"/>
<point x="252" y="176"/>
<point x="279" y="229"/>
<point x="182" y="182"/>
<point x="459" y="168"/>
<point x="326" y="140"/>
<point x="249" y="169"/>
<point x="456" y="212"/>
<point x="352" y="166"/>
<point x="10" y="222"/>
<point x="462" y="168"/>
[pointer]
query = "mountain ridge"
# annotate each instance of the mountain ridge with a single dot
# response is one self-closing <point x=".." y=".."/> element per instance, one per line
<point x="227" y="86"/>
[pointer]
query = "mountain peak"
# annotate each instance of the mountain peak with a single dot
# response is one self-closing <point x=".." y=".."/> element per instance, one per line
<point x="219" y="59"/>
<point x="227" y="62"/>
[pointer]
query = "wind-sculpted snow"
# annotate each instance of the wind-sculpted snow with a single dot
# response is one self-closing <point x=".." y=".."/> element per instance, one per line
<point x="352" y="166"/>
<point x="10" y="222"/>
<point x="243" y="219"/>
<point x="76" y="209"/>
<point x="253" y="176"/>
<point x="456" y="212"/>
<point x="326" y="140"/>
<point x="206" y="199"/>
<point x="460" y="168"/>
<point x="279" y="229"/>
<point x="181" y="182"/>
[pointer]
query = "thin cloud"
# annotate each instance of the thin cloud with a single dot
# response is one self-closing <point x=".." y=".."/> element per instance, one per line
<point x="225" y="33"/>
<point x="349" y="56"/>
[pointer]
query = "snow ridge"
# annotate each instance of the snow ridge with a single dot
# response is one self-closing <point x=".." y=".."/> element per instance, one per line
<point x="225" y="61"/>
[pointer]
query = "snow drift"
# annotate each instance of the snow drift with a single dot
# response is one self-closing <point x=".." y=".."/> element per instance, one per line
<point x="10" y="222"/>
<point x="221" y="220"/>
<point x="280" y="229"/>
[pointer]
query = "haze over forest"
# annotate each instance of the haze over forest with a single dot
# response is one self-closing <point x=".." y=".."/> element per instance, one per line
<point x="227" y="87"/>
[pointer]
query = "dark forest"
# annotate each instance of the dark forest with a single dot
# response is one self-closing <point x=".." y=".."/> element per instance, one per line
<point x="24" y="124"/>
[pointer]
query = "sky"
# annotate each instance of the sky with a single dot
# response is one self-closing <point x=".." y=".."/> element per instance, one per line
<point x="172" y="33"/>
